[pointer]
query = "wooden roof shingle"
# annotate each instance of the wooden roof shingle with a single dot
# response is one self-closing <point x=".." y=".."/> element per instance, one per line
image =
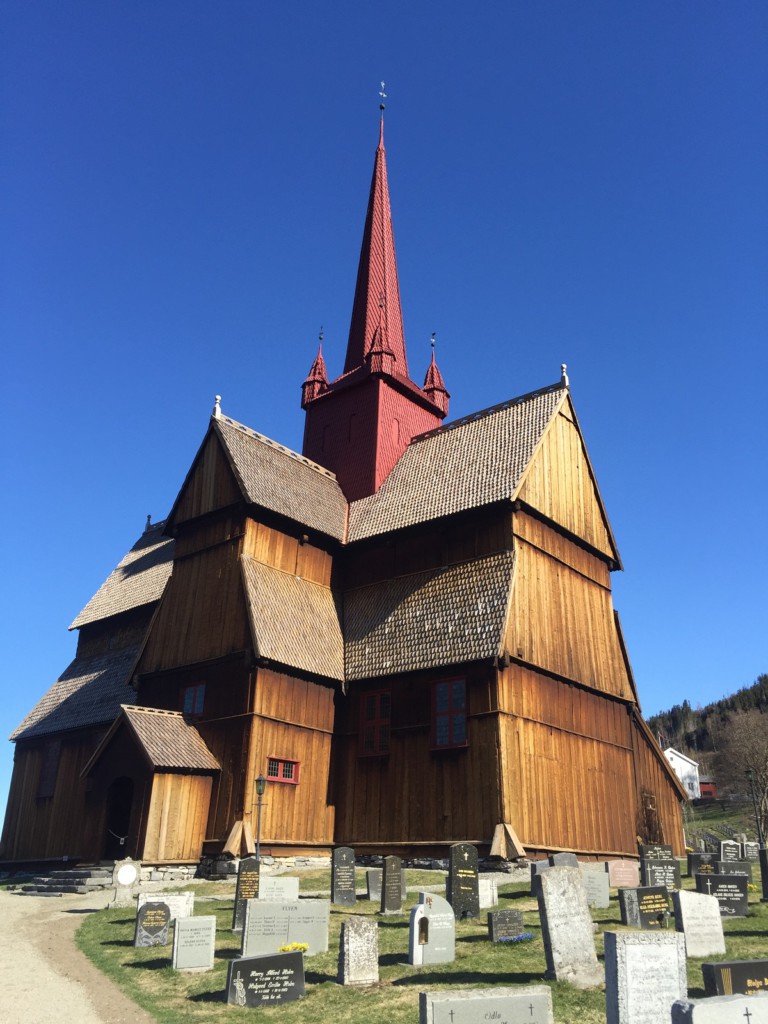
<point x="169" y="741"/>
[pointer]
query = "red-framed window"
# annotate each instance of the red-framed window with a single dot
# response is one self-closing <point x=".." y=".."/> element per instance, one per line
<point x="280" y="769"/>
<point x="193" y="699"/>
<point x="375" y="711"/>
<point x="449" y="714"/>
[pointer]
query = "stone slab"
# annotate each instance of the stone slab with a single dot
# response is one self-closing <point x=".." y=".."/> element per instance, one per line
<point x="265" y="980"/>
<point x="462" y="882"/>
<point x="432" y="933"/>
<point x="566" y="926"/>
<point x="734" y="867"/>
<point x="596" y="884"/>
<point x="359" y="952"/>
<point x="645" y="973"/>
<point x="373" y="884"/>
<point x="722" y="1010"/>
<point x="660" y="872"/>
<point x="343" y="891"/>
<point x="655" y="851"/>
<point x="697" y="916"/>
<point x="646" y="907"/>
<point x="278" y="888"/>
<point x="152" y="921"/>
<point x="527" y="1004"/>
<point x="702" y="863"/>
<point x="247" y="888"/>
<point x="504" y="924"/>
<point x="268" y="926"/>
<point x="730" y="890"/>
<point x="392" y="886"/>
<point x="564" y="859"/>
<point x="180" y="904"/>
<point x="487" y="893"/>
<point x="733" y="977"/>
<point x="194" y="943"/>
<point x="623" y="873"/>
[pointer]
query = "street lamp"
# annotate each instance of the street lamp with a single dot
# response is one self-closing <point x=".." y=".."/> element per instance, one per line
<point x="750" y="773"/>
<point x="261" y="785"/>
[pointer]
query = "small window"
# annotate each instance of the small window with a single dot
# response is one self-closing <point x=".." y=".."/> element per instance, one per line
<point x="375" y="709"/>
<point x="49" y="769"/>
<point x="449" y="714"/>
<point x="193" y="699"/>
<point x="281" y="770"/>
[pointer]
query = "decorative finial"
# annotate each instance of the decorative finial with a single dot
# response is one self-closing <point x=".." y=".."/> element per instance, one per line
<point x="148" y="525"/>
<point x="320" y="335"/>
<point x="432" y="340"/>
<point x="383" y="97"/>
<point x="217" y="408"/>
<point x="563" y="375"/>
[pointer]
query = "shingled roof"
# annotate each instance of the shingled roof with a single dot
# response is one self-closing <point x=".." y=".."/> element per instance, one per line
<point x="139" y="579"/>
<point x="293" y="621"/>
<point x="428" y="619"/>
<point x="89" y="692"/>
<point x="278" y="479"/>
<point x="475" y="461"/>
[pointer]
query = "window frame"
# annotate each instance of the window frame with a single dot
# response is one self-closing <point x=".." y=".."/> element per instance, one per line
<point x="281" y="762"/>
<point x="197" y="693"/>
<point x="453" y="714"/>
<point x="376" y="723"/>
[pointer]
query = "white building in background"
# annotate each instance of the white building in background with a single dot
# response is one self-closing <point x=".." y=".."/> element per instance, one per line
<point x="686" y="769"/>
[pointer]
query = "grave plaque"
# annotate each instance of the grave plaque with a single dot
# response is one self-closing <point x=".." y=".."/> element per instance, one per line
<point x="488" y="893"/>
<point x="660" y="872"/>
<point x="731" y="977"/>
<point x="359" y="952"/>
<point x="563" y="860"/>
<point x="152" y="922"/>
<point x="730" y="890"/>
<point x="180" y="904"/>
<point x="722" y="1010"/>
<point x="392" y="886"/>
<point x="278" y="888"/>
<point x="646" y="908"/>
<point x="750" y="851"/>
<point x="623" y="873"/>
<point x="701" y="863"/>
<point x="432" y="937"/>
<point x="504" y="924"/>
<point x="734" y="867"/>
<point x="730" y="849"/>
<point x="596" y="886"/>
<point x="655" y="851"/>
<point x="566" y="927"/>
<point x="343" y="890"/>
<point x="462" y="884"/>
<point x="247" y="889"/>
<point x="265" y="980"/>
<point x="644" y="975"/>
<point x="528" y="1004"/>
<point x="194" y="943"/>
<point x="373" y="882"/>
<point x="268" y="926"/>
<point x="698" y="917"/>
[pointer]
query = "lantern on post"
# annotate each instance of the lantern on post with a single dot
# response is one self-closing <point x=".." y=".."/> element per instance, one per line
<point x="261" y="785"/>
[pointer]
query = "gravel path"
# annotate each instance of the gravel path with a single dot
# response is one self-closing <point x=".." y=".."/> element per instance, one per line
<point x="44" y="978"/>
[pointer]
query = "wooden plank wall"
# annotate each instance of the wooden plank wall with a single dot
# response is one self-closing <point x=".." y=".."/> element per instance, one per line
<point x="177" y="818"/>
<point x="652" y="776"/>
<point x="210" y="485"/>
<point x="289" y="554"/>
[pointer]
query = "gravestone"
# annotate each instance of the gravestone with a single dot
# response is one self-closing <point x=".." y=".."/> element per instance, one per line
<point x="247" y="889"/>
<point x="126" y="877"/>
<point x="504" y="924"/>
<point x="265" y="980"/>
<point x="278" y="888"/>
<point x="180" y="904"/>
<point x="730" y="849"/>
<point x="526" y="1004"/>
<point x="268" y="926"/>
<point x="697" y="916"/>
<point x="392" y="886"/>
<point x="538" y="867"/>
<point x="660" y="872"/>
<point x="563" y="860"/>
<point x="731" y="977"/>
<point x="343" y="891"/>
<point x="462" y="884"/>
<point x="596" y="886"/>
<point x="194" y="943"/>
<point x="646" y="907"/>
<point x="750" y="851"/>
<point x="152" y="922"/>
<point x="432" y="937"/>
<point x="359" y="952"/>
<point x="644" y="975"/>
<point x="655" y="851"/>
<point x="566" y="927"/>
<point x="373" y="883"/>
<point x="623" y="873"/>
<point x="734" y="867"/>
<point x="730" y="890"/>
<point x="701" y="863"/>
<point x="487" y="893"/>
<point x="722" y="1010"/>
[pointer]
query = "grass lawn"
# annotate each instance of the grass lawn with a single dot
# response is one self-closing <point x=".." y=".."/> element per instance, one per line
<point x="174" y="997"/>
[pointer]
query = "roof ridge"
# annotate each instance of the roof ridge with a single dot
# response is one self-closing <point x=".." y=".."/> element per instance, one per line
<point x="279" y="447"/>
<point x="153" y="711"/>
<point x="489" y="411"/>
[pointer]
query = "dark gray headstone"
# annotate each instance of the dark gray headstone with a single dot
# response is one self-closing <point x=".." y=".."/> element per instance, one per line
<point x="730" y="890"/>
<point x="698" y="917"/>
<point x="343" y="890"/>
<point x="373" y="878"/>
<point x="701" y="864"/>
<point x="462" y="885"/>
<point x="566" y="927"/>
<point x="644" y="974"/>
<point x="247" y="889"/>
<point x="194" y="943"/>
<point x="432" y="936"/>
<point x="563" y="860"/>
<point x="660" y="872"/>
<point x="731" y="977"/>
<point x="722" y="1010"/>
<point x="527" y="1004"/>
<point x="268" y="926"/>
<point x="265" y="980"/>
<point x="655" y="851"/>
<point x="359" y="951"/>
<point x="537" y="868"/>
<point x="730" y="849"/>
<point x="392" y="886"/>
<point x="504" y="924"/>
<point x="734" y="867"/>
<point x="646" y="907"/>
<point x="152" y="922"/>
<point x="750" y="851"/>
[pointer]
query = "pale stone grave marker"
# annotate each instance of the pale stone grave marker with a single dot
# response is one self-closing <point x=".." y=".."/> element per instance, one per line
<point x="278" y="888"/>
<point x="194" y="943"/>
<point x="722" y="1010"/>
<point x="488" y="893"/>
<point x="644" y="974"/>
<point x="180" y="904"/>
<point x="268" y="926"/>
<point x="343" y="891"/>
<point x="596" y="886"/>
<point x="623" y="873"/>
<point x="126" y="876"/>
<point x="373" y="882"/>
<point x="152" y="922"/>
<point x="526" y="1004"/>
<point x="359" y="952"/>
<point x="750" y="851"/>
<point x="265" y="980"/>
<point x="697" y="916"/>
<point x="432" y="936"/>
<point x="566" y="926"/>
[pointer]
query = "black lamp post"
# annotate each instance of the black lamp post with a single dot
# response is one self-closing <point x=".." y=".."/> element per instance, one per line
<point x="750" y="773"/>
<point x="261" y="785"/>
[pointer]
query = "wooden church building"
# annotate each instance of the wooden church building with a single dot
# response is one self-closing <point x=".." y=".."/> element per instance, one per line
<point x="407" y="629"/>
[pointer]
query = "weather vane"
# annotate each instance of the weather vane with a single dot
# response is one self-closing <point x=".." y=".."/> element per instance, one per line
<point x="383" y="96"/>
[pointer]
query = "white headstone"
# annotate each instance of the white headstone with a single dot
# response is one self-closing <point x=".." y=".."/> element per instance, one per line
<point x="268" y="926"/>
<point x="180" y="904"/>
<point x="722" y="1010"/>
<point x="194" y="943"/>
<point x="359" y="952"/>
<point x="645" y="972"/>
<point x="697" y="916"/>
<point x="488" y="893"/>
<point x="529" y="1003"/>
<point x="276" y="888"/>
<point x="432" y="938"/>
<point x="566" y="926"/>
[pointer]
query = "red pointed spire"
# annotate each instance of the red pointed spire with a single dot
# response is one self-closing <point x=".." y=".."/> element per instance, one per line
<point x="434" y="385"/>
<point x="317" y="378"/>
<point x="377" y="292"/>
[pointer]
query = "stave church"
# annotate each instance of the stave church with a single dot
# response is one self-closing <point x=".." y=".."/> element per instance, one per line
<point x="407" y="630"/>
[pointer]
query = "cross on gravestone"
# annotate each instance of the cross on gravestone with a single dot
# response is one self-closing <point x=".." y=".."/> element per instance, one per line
<point x="343" y="892"/>
<point x="462" y="889"/>
<point x="391" y="886"/>
<point x="432" y="934"/>
<point x="265" y="980"/>
<point x="527" y="1003"/>
<point x="722" y="1010"/>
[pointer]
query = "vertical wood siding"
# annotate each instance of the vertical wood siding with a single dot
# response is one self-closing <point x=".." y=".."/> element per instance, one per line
<point x="210" y="485"/>
<point x="177" y="818"/>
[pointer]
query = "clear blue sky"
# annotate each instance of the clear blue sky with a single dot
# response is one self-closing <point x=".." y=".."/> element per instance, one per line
<point x="182" y="200"/>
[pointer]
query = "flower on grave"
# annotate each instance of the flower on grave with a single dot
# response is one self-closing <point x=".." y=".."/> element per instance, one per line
<point x="751" y="887"/>
<point x="523" y="937"/>
<point x="294" y="947"/>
